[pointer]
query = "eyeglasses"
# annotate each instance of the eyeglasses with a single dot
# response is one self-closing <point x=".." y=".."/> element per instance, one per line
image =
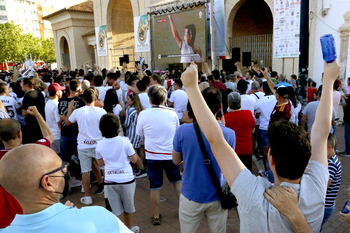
<point x="63" y="168"/>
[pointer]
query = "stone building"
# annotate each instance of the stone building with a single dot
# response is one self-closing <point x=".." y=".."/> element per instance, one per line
<point x="249" y="24"/>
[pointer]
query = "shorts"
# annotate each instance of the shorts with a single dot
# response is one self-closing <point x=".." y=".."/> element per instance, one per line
<point x="119" y="198"/>
<point x="85" y="157"/>
<point x="264" y="139"/>
<point x="155" y="173"/>
<point x="55" y="146"/>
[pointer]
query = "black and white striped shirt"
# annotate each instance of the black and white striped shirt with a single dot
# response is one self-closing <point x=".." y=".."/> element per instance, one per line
<point x="334" y="169"/>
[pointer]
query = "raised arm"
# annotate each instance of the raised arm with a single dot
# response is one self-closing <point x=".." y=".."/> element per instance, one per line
<point x="322" y="125"/>
<point x="174" y="31"/>
<point x="226" y="157"/>
<point x="45" y="129"/>
<point x="268" y="80"/>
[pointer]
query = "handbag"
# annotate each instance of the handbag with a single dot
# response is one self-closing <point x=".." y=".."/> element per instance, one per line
<point x="227" y="199"/>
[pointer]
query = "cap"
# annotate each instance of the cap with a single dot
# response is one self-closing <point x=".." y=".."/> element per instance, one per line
<point x="90" y="70"/>
<point x="54" y="87"/>
<point x="234" y="98"/>
<point x="282" y="91"/>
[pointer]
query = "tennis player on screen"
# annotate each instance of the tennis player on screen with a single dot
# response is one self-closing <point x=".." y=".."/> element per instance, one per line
<point x="189" y="51"/>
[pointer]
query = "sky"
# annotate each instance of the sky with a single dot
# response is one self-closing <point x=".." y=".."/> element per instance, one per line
<point x="62" y="3"/>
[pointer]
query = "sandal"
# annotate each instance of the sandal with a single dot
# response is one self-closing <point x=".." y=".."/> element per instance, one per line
<point x="156" y="221"/>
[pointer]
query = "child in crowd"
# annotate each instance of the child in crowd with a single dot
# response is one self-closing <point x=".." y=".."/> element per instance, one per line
<point x="335" y="170"/>
<point x="115" y="153"/>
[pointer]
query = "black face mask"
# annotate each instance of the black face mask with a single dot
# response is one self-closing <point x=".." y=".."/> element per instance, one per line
<point x="66" y="188"/>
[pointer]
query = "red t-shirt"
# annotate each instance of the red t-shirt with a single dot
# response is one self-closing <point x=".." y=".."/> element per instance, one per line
<point x="281" y="113"/>
<point x="310" y="94"/>
<point x="219" y="85"/>
<point x="9" y="206"/>
<point x="242" y="122"/>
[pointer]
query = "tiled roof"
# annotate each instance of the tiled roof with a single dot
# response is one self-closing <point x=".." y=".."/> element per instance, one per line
<point x="86" y="6"/>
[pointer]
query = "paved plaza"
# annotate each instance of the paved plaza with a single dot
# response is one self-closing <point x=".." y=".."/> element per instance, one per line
<point x="169" y="203"/>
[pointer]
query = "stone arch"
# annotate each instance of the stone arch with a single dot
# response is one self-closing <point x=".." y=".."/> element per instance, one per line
<point x="120" y="22"/>
<point x="65" y="51"/>
<point x="231" y="9"/>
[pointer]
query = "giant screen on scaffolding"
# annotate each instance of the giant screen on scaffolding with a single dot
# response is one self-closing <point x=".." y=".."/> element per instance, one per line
<point x="286" y="28"/>
<point x="179" y="37"/>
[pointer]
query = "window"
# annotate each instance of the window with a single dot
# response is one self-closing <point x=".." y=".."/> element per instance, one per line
<point x="29" y="12"/>
<point x="19" y="10"/>
<point x="40" y="12"/>
<point x="30" y="21"/>
<point x="3" y="17"/>
<point x="2" y="8"/>
<point x="24" y="20"/>
<point x="36" y="21"/>
<point x="41" y="21"/>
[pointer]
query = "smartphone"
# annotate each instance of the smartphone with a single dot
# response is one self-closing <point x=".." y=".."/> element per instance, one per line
<point x="345" y="210"/>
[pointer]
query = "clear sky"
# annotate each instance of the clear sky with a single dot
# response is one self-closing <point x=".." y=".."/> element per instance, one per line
<point x="62" y="3"/>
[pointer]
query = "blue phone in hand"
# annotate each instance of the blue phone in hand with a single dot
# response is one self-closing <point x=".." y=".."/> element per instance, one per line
<point x="345" y="210"/>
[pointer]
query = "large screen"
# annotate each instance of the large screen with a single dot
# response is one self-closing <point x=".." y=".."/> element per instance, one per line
<point x="179" y="37"/>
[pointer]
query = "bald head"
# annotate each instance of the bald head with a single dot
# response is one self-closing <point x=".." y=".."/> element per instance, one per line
<point x="9" y="129"/>
<point x="22" y="168"/>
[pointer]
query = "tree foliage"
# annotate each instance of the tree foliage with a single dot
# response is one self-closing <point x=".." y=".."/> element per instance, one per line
<point x="14" y="44"/>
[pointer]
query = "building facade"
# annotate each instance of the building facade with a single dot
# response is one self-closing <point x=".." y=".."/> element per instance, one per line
<point x="249" y="24"/>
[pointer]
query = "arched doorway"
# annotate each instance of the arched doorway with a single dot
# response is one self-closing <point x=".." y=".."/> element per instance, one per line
<point x="252" y="30"/>
<point x="121" y="25"/>
<point x="64" y="49"/>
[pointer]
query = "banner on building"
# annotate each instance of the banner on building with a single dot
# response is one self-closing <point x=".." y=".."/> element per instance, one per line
<point x="219" y="28"/>
<point x="286" y="28"/>
<point x="142" y="35"/>
<point x="101" y="41"/>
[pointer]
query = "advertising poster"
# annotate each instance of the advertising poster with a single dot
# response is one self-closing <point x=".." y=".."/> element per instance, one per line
<point x="286" y="28"/>
<point x="142" y="35"/>
<point x="180" y="37"/>
<point x="101" y="41"/>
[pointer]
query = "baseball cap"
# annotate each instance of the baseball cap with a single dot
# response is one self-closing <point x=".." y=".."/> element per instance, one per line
<point x="54" y="87"/>
<point x="282" y="91"/>
<point x="234" y="98"/>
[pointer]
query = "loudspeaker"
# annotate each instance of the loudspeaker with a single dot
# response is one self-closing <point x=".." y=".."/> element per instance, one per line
<point x="247" y="59"/>
<point x="228" y="65"/>
<point x="121" y="61"/>
<point x="236" y="54"/>
<point x="171" y="67"/>
<point x="126" y="59"/>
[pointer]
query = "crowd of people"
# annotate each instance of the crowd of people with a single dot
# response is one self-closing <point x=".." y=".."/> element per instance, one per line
<point x="116" y="126"/>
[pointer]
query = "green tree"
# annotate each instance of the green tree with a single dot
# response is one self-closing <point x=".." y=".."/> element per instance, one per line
<point x="48" y="50"/>
<point x="14" y="44"/>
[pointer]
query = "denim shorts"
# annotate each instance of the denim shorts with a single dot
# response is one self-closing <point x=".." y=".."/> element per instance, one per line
<point x="264" y="139"/>
<point x="155" y="173"/>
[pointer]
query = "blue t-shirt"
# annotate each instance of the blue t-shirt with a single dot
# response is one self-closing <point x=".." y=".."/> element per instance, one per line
<point x="59" y="218"/>
<point x="284" y="83"/>
<point x="196" y="182"/>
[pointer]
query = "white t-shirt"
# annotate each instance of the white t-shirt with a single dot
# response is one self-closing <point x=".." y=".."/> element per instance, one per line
<point x="11" y="105"/>
<point x="257" y="95"/>
<point x="102" y="92"/>
<point x="158" y="125"/>
<point x="117" y="109"/>
<point x="248" y="103"/>
<point x="336" y="102"/>
<point x="180" y="100"/>
<point x="52" y="117"/>
<point x="115" y="152"/>
<point x="145" y="101"/>
<point x="249" y="85"/>
<point x="187" y="53"/>
<point x="88" y="120"/>
<point x="120" y="94"/>
<point x="265" y="106"/>
<point x="124" y="88"/>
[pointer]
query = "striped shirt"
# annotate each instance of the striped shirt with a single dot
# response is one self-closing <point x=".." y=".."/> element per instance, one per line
<point x="130" y="123"/>
<point x="334" y="169"/>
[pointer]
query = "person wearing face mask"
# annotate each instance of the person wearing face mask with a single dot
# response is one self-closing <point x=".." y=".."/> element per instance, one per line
<point x="11" y="136"/>
<point x="39" y="186"/>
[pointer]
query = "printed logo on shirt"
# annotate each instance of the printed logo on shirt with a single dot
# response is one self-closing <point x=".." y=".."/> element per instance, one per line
<point x="92" y="142"/>
<point x="115" y="172"/>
